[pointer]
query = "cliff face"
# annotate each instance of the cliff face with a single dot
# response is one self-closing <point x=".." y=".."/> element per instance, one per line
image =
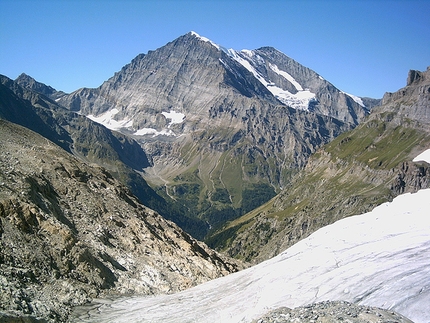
<point x="351" y="175"/>
<point x="70" y="232"/>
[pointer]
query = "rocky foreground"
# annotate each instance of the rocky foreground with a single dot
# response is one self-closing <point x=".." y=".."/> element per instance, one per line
<point x="332" y="312"/>
<point x="70" y="232"/>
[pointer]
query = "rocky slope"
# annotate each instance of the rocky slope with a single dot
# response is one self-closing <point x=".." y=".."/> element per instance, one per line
<point x="70" y="232"/>
<point x="218" y="125"/>
<point x="355" y="172"/>
<point x="86" y="139"/>
<point x="332" y="312"/>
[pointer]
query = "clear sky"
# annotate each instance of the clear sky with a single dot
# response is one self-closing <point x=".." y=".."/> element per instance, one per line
<point x="365" y="47"/>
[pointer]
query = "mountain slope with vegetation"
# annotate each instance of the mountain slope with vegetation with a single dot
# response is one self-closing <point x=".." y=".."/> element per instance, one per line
<point x="357" y="171"/>
<point x="91" y="142"/>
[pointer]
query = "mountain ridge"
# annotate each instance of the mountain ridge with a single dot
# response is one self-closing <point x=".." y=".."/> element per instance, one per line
<point x="89" y="141"/>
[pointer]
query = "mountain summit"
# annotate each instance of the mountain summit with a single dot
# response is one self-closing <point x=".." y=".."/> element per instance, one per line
<point x="224" y="130"/>
<point x="192" y="73"/>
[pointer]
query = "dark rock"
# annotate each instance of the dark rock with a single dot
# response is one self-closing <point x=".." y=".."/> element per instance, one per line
<point x="332" y="312"/>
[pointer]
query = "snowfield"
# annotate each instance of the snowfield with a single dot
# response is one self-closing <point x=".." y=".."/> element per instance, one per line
<point x="381" y="258"/>
<point x="107" y="120"/>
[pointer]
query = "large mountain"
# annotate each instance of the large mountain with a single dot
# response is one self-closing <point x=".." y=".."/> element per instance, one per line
<point x="355" y="172"/>
<point x="224" y="130"/>
<point x="70" y="232"/>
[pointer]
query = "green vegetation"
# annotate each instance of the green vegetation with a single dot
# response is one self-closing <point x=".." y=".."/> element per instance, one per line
<point x="350" y="175"/>
<point x="377" y="144"/>
<point x="256" y="195"/>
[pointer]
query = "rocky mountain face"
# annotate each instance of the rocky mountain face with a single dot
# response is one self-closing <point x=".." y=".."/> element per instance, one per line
<point x="70" y="232"/>
<point x="86" y="139"/>
<point x="351" y="175"/>
<point x="224" y="130"/>
<point x="28" y="82"/>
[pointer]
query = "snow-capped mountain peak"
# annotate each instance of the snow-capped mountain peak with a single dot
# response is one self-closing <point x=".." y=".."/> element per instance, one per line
<point x="300" y="98"/>
<point x="193" y="33"/>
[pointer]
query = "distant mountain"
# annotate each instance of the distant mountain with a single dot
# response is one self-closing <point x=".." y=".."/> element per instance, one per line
<point x="224" y="130"/>
<point x="30" y="83"/>
<point x="70" y="232"/>
<point x="352" y="174"/>
<point x="192" y="75"/>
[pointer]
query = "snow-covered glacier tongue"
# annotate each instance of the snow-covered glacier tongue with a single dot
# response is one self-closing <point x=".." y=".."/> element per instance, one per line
<point x="381" y="258"/>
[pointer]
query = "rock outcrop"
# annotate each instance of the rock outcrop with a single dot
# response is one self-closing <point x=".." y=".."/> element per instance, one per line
<point x="332" y="312"/>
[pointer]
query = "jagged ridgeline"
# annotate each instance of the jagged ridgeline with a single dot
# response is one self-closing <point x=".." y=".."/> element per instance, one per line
<point x="224" y="130"/>
<point x="357" y="171"/>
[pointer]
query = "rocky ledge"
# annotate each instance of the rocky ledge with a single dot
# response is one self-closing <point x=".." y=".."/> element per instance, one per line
<point x="332" y="312"/>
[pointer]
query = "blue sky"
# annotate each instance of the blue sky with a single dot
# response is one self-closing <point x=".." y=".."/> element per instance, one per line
<point x="363" y="47"/>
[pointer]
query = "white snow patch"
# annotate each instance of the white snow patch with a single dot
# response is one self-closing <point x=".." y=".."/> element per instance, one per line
<point x="233" y="54"/>
<point x="154" y="132"/>
<point x="355" y="98"/>
<point x="175" y="117"/>
<point x="205" y="39"/>
<point x="287" y="76"/>
<point x="248" y="52"/>
<point x="381" y="258"/>
<point x="424" y="156"/>
<point x="107" y="119"/>
<point x="300" y="100"/>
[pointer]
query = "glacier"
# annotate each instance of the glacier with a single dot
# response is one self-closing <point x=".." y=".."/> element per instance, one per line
<point x="380" y="258"/>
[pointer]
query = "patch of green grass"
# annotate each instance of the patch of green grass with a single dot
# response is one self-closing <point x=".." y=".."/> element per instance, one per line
<point x="376" y="144"/>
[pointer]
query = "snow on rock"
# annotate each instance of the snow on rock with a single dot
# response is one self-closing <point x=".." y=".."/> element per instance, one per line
<point x="355" y="98"/>
<point x="424" y="156"/>
<point x="154" y="132"/>
<point x="287" y="76"/>
<point x="204" y="39"/>
<point x="175" y="117"/>
<point x="381" y="258"/>
<point x="107" y="119"/>
<point x="300" y="100"/>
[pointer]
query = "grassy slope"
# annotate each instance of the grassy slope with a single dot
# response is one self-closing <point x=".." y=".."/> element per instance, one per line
<point x="351" y="175"/>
